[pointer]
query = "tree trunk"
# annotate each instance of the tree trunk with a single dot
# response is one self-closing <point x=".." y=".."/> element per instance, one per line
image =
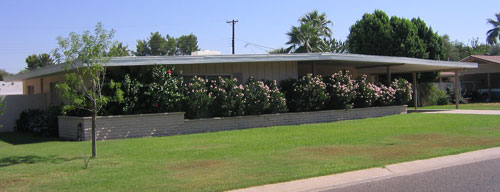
<point x="94" y="135"/>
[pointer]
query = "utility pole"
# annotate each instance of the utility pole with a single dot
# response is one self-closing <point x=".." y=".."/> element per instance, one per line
<point x="233" y="22"/>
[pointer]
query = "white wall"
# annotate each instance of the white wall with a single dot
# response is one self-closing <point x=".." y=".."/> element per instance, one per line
<point x="11" y="88"/>
<point x="15" y="104"/>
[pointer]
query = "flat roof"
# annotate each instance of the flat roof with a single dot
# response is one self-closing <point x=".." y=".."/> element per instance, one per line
<point x="365" y="63"/>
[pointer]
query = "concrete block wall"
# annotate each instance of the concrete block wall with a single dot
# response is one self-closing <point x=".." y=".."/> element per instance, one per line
<point x="163" y="124"/>
<point x="267" y="120"/>
<point x="122" y="126"/>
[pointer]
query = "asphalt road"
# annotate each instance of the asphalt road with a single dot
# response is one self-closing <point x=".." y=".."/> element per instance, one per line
<point x="479" y="176"/>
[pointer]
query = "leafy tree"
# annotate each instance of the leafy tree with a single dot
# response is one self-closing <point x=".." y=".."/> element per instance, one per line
<point x="494" y="50"/>
<point x="456" y="50"/>
<point x="187" y="44"/>
<point x="336" y="46"/>
<point x="142" y="48"/>
<point x="376" y="34"/>
<point x="372" y="35"/>
<point x="494" y="34"/>
<point x="171" y="45"/>
<point x="118" y="50"/>
<point x="279" y="51"/>
<point x="3" y="74"/>
<point x="84" y="56"/>
<point x="37" y="61"/>
<point x="158" y="45"/>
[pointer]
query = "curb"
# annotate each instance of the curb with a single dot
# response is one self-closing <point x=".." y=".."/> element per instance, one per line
<point x="374" y="174"/>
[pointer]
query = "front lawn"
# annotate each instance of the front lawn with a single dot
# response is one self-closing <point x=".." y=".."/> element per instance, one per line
<point x="235" y="159"/>
<point x="471" y="106"/>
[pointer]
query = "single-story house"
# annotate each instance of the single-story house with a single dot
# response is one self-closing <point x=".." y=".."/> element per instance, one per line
<point x="484" y="79"/>
<point x="41" y="82"/>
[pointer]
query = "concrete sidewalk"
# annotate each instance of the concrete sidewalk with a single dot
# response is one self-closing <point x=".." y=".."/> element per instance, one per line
<point x="461" y="111"/>
<point x="373" y="174"/>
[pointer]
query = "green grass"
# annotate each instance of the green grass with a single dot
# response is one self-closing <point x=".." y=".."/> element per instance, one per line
<point x="472" y="106"/>
<point x="236" y="159"/>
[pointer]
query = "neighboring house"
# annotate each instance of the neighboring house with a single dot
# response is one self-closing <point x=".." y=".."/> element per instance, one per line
<point x="41" y="82"/>
<point x="485" y="79"/>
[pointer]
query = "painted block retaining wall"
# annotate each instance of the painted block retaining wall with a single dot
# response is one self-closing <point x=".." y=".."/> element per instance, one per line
<point x="163" y="124"/>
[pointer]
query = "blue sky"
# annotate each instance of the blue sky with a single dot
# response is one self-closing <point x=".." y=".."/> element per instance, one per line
<point x="28" y="27"/>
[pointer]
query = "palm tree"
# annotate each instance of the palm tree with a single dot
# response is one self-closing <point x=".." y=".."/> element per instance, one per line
<point x="494" y="34"/>
<point x="319" y="21"/>
<point x="305" y="39"/>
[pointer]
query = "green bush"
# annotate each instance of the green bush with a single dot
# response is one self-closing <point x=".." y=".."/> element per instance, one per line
<point x="340" y="88"/>
<point x="158" y="89"/>
<point x="165" y="91"/>
<point x="228" y="97"/>
<point x="277" y="101"/>
<point x="310" y="94"/>
<point x="365" y="93"/>
<point x="287" y="87"/>
<point x="198" y="99"/>
<point x="256" y="97"/>
<point x="431" y="95"/>
<point x="385" y="95"/>
<point x="39" y="122"/>
<point x="403" y="91"/>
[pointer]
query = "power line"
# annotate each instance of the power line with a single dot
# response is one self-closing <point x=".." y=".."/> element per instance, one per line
<point x="232" y="22"/>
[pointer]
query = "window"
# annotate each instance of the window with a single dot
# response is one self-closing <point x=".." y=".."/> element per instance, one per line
<point x="31" y="90"/>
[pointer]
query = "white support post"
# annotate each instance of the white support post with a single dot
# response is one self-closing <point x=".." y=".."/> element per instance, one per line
<point x="414" y="74"/>
<point x="456" y="89"/>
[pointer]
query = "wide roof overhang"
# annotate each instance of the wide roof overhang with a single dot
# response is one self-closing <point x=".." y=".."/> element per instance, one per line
<point x="369" y="64"/>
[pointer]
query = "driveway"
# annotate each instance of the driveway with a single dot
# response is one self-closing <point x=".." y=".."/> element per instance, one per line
<point x="460" y="111"/>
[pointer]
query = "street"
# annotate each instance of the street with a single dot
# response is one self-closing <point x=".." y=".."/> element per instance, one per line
<point x="479" y="176"/>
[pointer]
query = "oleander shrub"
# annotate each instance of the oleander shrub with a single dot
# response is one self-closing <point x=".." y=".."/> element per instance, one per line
<point x="340" y="88"/>
<point x="310" y="93"/>
<point x="156" y="89"/>
<point x="227" y="97"/>
<point x="403" y="91"/>
<point x="256" y="97"/>
<point x="365" y="93"/>
<point x="198" y="99"/>
<point x="277" y="100"/>
<point x="165" y="91"/>
<point x="385" y="95"/>
<point x="286" y="87"/>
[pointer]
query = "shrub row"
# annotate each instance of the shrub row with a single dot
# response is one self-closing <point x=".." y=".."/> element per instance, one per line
<point x="339" y="91"/>
<point x="161" y="88"/>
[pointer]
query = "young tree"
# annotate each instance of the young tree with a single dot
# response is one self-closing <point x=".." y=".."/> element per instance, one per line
<point x="85" y="57"/>
<point x="3" y="74"/>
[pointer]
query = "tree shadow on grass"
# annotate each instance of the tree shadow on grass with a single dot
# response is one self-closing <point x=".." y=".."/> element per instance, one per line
<point x="31" y="159"/>
<point x="16" y="138"/>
